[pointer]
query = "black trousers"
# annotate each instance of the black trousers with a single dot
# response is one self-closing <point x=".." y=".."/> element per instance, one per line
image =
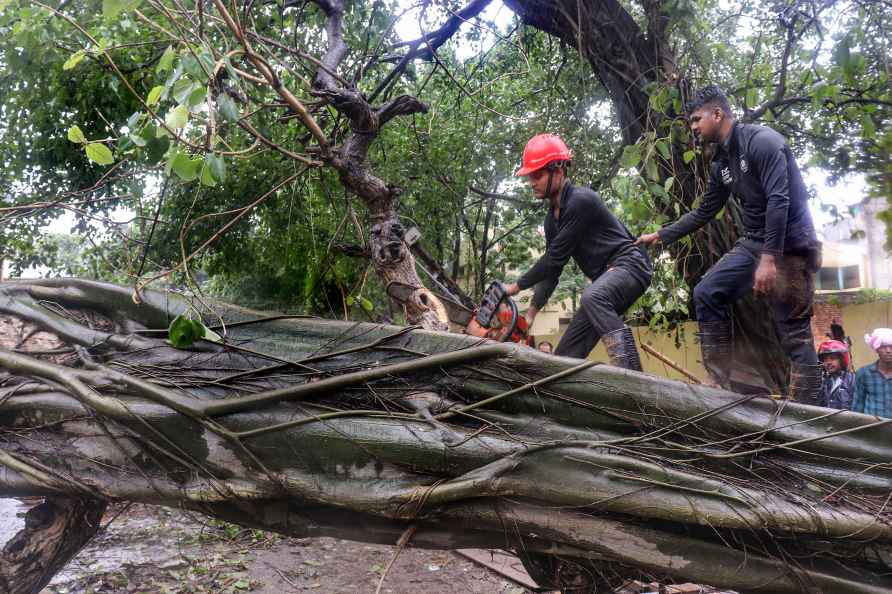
<point x="732" y="277"/>
<point x="600" y="311"/>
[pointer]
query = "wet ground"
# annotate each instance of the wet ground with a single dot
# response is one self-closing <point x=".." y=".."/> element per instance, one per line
<point x="151" y="550"/>
<point x="157" y="550"/>
<point x="10" y="522"/>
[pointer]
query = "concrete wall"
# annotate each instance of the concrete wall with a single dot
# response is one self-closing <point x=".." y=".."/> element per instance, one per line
<point x="875" y="230"/>
<point x="860" y="240"/>
<point x="682" y="346"/>
<point x="858" y="320"/>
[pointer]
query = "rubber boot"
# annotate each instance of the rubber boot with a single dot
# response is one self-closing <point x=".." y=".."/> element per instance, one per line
<point x="805" y="382"/>
<point x="621" y="348"/>
<point x="715" y="347"/>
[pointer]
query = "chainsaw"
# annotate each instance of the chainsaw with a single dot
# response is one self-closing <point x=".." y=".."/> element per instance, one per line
<point x="496" y="317"/>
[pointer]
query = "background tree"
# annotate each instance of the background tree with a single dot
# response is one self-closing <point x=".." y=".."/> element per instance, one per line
<point x="648" y="55"/>
<point x="610" y="77"/>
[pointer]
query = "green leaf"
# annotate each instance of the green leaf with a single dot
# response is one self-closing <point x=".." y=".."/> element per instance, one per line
<point x="156" y="148"/>
<point x="133" y="120"/>
<point x="651" y="167"/>
<point x="173" y="77"/>
<point x="868" y="128"/>
<point x="198" y="69"/>
<point x="226" y="107"/>
<point x="350" y="300"/>
<point x="182" y="89"/>
<point x="138" y="140"/>
<point x="125" y="145"/>
<point x="99" y="153"/>
<point x="154" y="95"/>
<point x="842" y="54"/>
<point x="217" y="165"/>
<point x="177" y="117"/>
<point x="75" y="135"/>
<point x="183" y="332"/>
<point x="751" y="98"/>
<point x="166" y="60"/>
<point x="657" y="190"/>
<point x="233" y="75"/>
<point x="667" y="185"/>
<point x="689" y="156"/>
<point x="660" y="99"/>
<point x="184" y="166"/>
<point x="197" y="96"/>
<point x="212" y="336"/>
<point x="631" y="156"/>
<point x="366" y="304"/>
<point x="112" y="8"/>
<point x="207" y="176"/>
<point x="74" y="60"/>
<point x="663" y="148"/>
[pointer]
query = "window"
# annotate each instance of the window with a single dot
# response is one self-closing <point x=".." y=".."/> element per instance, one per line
<point x="850" y="277"/>
<point x="832" y="278"/>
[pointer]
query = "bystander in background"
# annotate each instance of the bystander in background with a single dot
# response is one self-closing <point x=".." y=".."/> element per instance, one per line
<point x="873" y="383"/>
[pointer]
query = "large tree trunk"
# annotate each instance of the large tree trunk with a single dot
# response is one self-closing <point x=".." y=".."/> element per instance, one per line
<point x="627" y="60"/>
<point x="54" y="532"/>
<point x="313" y="427"/>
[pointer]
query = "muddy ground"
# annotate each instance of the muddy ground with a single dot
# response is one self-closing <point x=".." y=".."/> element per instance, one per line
<point x="152" y="550"/>
<point x="156" y="550"/>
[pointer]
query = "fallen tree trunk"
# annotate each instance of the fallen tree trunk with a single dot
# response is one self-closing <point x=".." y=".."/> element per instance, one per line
<point x="309" y="427"/>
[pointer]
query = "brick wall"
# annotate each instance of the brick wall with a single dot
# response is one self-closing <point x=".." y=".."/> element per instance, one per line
<point x="825" y="313"/>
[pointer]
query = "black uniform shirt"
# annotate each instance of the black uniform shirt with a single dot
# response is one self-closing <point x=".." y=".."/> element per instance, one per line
<point x="755" y="165"/>
<point x="588" y="232"/>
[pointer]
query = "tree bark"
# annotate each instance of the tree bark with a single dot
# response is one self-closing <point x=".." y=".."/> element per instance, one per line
<point x="314" y="427"/>
<point x="392" y="258"/>
<point x="54" y="532"/>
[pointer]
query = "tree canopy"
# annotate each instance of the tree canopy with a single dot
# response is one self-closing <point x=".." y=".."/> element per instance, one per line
<point x="269" y="139"/>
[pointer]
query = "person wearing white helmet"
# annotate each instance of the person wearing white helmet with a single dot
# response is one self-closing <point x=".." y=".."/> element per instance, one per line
<point x="873" y="383"/>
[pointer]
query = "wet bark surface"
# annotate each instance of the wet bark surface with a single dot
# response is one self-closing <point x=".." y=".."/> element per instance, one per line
<point x="313" y="428"/>
<point x="54" y="532"/>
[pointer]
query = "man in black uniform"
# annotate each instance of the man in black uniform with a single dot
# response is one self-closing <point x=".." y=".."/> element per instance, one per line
<point x="579" y="225"/>
<point x="778" y="253"/>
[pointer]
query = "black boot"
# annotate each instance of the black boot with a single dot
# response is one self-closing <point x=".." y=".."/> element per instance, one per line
<point x="805" y="382"/>
<point x="621" y="348"/>
<point x="715" y="347"/>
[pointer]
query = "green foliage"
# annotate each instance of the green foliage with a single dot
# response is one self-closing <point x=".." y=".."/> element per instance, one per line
<point x="870" y="295"/>
<point x="68" y="119"/>
<point x="99" y="153"/>
<point x="184" y="331"/>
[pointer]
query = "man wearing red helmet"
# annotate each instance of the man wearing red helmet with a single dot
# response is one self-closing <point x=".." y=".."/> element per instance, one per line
<point x="838" y="386"/>
<point x="579" y="225"/>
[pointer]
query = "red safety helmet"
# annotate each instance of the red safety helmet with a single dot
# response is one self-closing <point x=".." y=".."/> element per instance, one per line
<point x="541" y="150"/>
<point x="835" y="347"/>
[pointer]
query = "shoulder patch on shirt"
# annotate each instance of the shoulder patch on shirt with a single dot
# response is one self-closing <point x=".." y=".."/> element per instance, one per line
<point x="726" y="176"/>
<point x="744" y="166"/>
